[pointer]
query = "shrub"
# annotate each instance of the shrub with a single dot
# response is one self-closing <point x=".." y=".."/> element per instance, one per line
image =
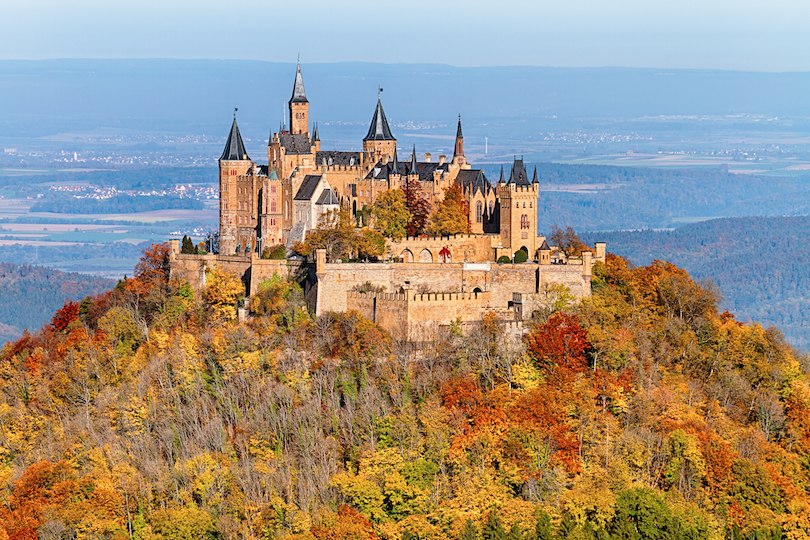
<point x="504" y="259"/>
<point x="521" y="256"/>
<point x="277" y="252"/>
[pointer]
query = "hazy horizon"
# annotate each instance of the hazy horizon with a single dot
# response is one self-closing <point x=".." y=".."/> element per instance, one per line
<point x="684" y="34"/>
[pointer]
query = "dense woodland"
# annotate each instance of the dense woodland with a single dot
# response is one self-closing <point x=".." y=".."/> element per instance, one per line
<point x="759" y="264"/>
<point x="30" y="294"/>
<point x="139" y="178"/>
<point x="120" y="204"/>
<point x="621" y="198"/>
<point x="642" y="412"/>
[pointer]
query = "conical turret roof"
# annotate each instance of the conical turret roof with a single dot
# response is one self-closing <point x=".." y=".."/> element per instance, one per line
<point x="458" y="131"/>
<point x="315" y="136"/>
<point x="234" y="147"/>
<point x="379" y="130"/>
<point x="413" y="169"/>
<point x="299" y="95"/>
<point x="502" y="180"/>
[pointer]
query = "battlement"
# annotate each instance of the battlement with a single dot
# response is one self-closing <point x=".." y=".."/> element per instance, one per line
<point x="410" y="296"/>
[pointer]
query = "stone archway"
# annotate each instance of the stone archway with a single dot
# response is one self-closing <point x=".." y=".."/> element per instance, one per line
<point x="407" y="256"/>
<point x="425" y="256"/>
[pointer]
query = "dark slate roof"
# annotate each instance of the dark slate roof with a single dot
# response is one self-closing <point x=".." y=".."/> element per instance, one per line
<point x="458" y="131"/>
<point x="544" y="246"/>
<point x="327" y="197"/>
<point x="519" y="176"/>
<point x="295" y="143"/>
<point x="423" y="169"/>
<point x="315" y="136"/>
<point x="413" y="169"/>
<point x="534" y="180"/>
<point x="234" y="147"/>
<point x="308" y="187"/>
<point x="379" y="130"/>
<point x="299" y="95"/>
<point x="473" y="180"/>
<point x="337" y="158"/>
<point x="501" y="181"/>
<point x="264" y="169"/>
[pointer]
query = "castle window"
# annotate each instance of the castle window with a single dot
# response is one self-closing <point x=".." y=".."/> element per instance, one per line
<point x="491" y="208"/>
<point x="530" y="204"/>
<point x="479" y="212"/>
<point x="273" y="190"/>
<point x="524" y="221"/>
<point x="272" y="206"/>
<point x="272" y="222"/>
<point x="524" y="205"/>
<point x="517" y="205"/>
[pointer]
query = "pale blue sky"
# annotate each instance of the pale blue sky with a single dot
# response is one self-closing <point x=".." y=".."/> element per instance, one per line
<point x="771" y="35"/>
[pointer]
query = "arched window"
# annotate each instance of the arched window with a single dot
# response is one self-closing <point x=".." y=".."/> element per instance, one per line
<point x="524" y="221"/>
<point x="479" y="212"/>
<point x="273" y="206"/>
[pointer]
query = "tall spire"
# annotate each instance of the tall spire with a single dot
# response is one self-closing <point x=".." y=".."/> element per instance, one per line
<point x="234" y="147"/>
<point x="534" y="180"/>
<point x="459" y="149"/>
<point x="413" y="169"/>
<point x="315" y="136"/>
<point x="502" y="180"/>
<point x="299" y="95"/>
<point x="379" y="130"/>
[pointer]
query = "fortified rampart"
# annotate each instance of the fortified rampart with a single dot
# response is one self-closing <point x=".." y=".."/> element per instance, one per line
<point x="250" y="270"/>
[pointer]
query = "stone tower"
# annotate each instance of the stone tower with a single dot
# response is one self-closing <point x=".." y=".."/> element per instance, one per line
<point x="234" y="206"/>
<point x="379" y="138"/>
<point x="518" y="209"/>
<point x="299" y="106"/>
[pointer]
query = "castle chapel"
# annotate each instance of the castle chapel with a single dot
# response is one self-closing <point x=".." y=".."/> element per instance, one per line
<point x="278" y="203"/>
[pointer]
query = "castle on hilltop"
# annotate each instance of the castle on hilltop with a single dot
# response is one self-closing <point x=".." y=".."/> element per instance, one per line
<point x="426" y="280"/>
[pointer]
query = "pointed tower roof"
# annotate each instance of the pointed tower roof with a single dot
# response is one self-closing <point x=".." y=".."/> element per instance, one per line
<point x="502" y="180"/>
<point x="234" y="147"/>
<point x="458" y="131"/>
<point x="379" y="130"/>
<point x="534" y="180"/>
<point x="413" y="169"/>
<point x="519" y="176"/>
<point x="315" y="136"/>
<point x="395" y="163"/>
<point x="273" y="174"/>
<point x="545" y="246"/>
<point x="299" y="95"/>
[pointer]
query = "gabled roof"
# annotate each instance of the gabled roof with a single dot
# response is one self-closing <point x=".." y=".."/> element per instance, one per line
<point x="299" y="95"/>
<point x="328" y="197"/>
<point x="308" y="186"/>
<point x="295" y="143"/>
<point x="379" y="130"/>
<point x="473" y="180"/>
<point x="234" y="147"/>
<point x="519" y="176"/>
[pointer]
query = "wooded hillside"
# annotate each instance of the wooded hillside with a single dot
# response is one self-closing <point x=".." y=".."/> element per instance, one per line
<point x="759" y="264"/>
<point x="642" y="412"/>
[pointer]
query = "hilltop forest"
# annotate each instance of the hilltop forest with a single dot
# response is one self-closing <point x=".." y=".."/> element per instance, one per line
<point x="149" y="412"/>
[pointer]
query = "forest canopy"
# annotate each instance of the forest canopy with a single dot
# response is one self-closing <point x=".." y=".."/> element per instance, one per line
<point x="147" y="411"/>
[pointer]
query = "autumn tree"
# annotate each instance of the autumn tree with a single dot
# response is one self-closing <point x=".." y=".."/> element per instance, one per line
<point x="418" y="206"/>
<point x="391" y="214"/>
<point x="453" y="214"/>
<point x="370" y="244"/>
<point x="567" y="240"/>
<point x="334" y="233"/>
<point x="223" y="292"/>
<point x="559" y="345"/>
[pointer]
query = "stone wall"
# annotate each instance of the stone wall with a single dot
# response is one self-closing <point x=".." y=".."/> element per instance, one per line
<point x="462" y="247"/>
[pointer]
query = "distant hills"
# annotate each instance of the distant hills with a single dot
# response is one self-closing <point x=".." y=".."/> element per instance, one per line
<point x="29" y="295"/>
<point x="759" y="263"/>
<point x="198" y="96"/>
